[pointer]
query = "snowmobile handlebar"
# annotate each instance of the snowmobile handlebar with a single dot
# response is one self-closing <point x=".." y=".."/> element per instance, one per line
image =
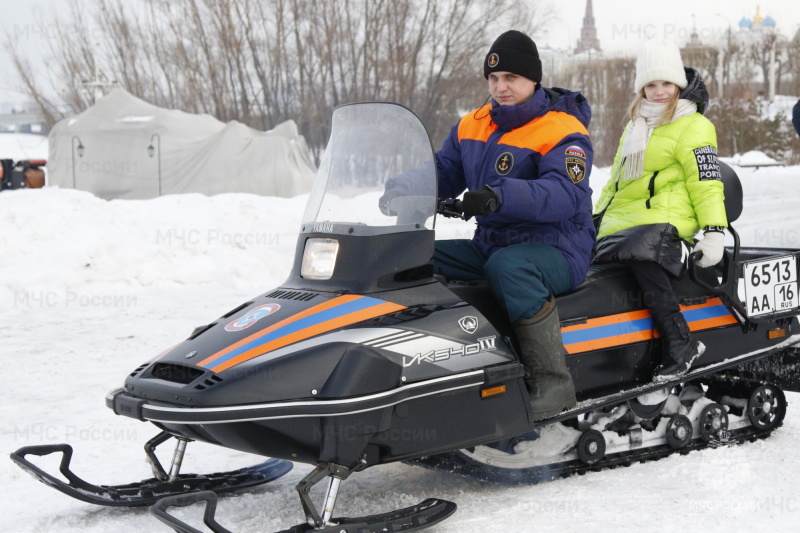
<point x="450" y="208"/>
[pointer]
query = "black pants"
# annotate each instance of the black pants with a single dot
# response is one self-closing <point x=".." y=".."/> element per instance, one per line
<point x="657" y="293"/>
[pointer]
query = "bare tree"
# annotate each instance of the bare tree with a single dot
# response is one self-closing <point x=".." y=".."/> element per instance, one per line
<point x="265" y="61"/>
<point x="706" y="60"/>
<point x="791" y="83"/>
<point x="762" y="53"/>
<point x="607" y="84"/>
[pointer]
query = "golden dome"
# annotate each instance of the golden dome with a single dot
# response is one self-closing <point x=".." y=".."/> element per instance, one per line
<point x="759" y="18"/>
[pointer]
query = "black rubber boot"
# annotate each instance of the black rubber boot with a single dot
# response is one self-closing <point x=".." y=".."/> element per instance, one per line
<point x="543" y="356"/>
<point x="679" y="350"/>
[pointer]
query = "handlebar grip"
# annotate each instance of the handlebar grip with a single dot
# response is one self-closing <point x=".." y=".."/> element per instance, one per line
<point x="450" y="208"/>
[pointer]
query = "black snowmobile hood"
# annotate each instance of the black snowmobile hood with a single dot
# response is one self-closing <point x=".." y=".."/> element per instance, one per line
<point x="695" y="90"/>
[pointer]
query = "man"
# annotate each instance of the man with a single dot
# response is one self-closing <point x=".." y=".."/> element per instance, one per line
<point x="524" y="160"/>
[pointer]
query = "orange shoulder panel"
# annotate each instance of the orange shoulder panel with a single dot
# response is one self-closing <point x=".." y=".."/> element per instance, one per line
<point x="476" y="129"/>
<point x="543" y="133"/>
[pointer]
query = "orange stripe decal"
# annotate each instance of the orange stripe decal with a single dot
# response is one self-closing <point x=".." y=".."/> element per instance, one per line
<point x="333" y="314"/>
<point x="637" y="326"/>
<point x="317" y="329"/>
<point x="308" y="312"/>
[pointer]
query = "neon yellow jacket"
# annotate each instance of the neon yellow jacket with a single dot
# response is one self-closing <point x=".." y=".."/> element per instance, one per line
<point x="680" y="183"/>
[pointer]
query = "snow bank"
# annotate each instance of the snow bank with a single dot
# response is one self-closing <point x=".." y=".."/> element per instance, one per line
<point x="66" y="239"/>
<point x="753" y="158"/>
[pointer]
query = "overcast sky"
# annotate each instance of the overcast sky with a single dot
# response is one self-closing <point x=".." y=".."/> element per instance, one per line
<point x="22" y="20"/>
<point x="621" y="25"/>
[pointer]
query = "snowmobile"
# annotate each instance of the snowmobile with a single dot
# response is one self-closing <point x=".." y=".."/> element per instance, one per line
<point x="364" y="356"/>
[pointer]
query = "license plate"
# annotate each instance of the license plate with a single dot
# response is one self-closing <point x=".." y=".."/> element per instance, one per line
<point x="771" y="285"/>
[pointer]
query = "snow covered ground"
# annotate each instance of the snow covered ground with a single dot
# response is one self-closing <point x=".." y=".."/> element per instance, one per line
<point x="90" y="289"/>
<point x="19" y="146"/>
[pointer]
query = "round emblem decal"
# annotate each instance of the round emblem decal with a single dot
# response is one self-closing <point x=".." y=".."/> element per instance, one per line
<point x="468" y="323"/>
<point x="493" y="60"/>
<point x="253" y="316"/>
<point x="504" y="163"/>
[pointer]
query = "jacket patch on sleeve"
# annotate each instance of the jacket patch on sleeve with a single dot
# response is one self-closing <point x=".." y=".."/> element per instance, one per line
<point x="575" y="151"/>
<point x="576" y="169"/>
<point x="504" y="163"/>
<point x="707" y="163"/>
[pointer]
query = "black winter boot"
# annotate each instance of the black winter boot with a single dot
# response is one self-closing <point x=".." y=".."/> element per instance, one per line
<point x="542" y="354"/>
<point x="679" y="350"/>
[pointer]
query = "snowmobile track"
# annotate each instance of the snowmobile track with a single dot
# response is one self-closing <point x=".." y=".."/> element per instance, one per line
<point x="459" y="464"/>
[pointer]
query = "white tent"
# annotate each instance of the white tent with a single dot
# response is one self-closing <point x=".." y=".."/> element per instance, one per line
<point x="123" y="147"/>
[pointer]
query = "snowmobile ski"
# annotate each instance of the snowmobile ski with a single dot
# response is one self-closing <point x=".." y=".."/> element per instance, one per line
<point x="148" y="491"/>
<point x="414" y="518"/>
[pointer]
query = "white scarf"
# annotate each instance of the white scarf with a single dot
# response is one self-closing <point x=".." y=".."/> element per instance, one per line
<point x="649" y="117"/>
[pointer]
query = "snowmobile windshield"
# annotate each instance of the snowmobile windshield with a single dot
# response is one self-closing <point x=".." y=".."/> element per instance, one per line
<point x="377" y="174"/>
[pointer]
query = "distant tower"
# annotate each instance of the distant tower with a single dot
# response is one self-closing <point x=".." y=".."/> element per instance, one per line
<point x="694" y="38"/>
<point x="588" y="40"/>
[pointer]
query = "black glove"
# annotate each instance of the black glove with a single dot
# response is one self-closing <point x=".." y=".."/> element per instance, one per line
<point x="385" y="200"/>
<point x="480" y="202"/>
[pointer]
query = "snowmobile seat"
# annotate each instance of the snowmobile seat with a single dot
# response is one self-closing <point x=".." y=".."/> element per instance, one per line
<point x="607" y="289"/>
<point x="611" y="288"/>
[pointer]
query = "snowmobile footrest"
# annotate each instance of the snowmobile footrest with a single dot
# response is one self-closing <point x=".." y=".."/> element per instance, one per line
<point x="146" y="492"/>
<point x="414" y="518"/>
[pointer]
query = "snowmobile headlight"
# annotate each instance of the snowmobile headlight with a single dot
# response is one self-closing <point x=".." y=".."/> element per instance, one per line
<point x="319" y="258"/>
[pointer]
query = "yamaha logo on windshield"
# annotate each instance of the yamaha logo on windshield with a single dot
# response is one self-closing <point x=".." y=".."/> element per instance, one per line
<point x="469" y="324"/>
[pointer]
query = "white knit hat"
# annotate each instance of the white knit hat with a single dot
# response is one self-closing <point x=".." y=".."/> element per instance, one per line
<point x="659" y="59"/>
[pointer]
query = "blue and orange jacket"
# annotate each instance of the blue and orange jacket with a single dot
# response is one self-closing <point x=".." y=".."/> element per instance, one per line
<point x="537" y="156"/>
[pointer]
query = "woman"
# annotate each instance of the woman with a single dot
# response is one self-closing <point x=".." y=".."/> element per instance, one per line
<point x="665" y="186"/>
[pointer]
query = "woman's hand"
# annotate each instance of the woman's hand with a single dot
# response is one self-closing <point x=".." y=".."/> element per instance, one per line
<point x="712" y="246"/>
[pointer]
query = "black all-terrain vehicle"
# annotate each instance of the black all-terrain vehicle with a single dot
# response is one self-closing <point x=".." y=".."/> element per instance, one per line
<point x="363" y="346"/>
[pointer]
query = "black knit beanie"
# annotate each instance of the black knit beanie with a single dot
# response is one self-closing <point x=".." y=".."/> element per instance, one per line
<point x="514" y="52"/>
